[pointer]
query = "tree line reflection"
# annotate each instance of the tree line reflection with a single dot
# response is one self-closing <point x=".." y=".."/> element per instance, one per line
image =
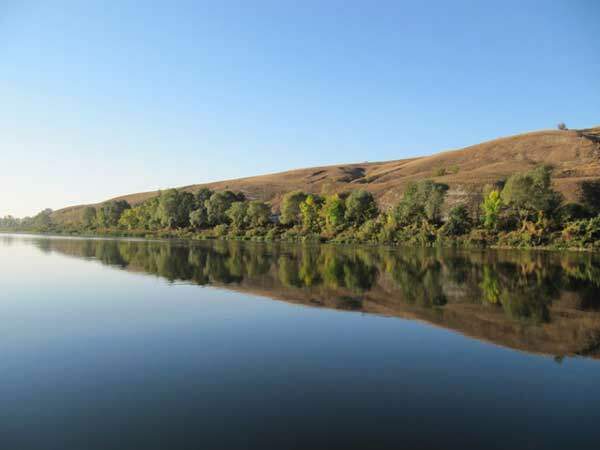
<point x="523" y="285"/>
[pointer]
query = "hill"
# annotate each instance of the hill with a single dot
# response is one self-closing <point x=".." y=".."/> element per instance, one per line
<point x="574" y="154"/>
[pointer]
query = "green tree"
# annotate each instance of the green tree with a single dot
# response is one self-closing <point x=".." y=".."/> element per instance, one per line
<point x="290" y="208"/>
<point x="459" y="222"/>
<point x="491" y="207"/>
<point x="309" y="210"/>
<point x="109" y="213"/>
<point x="334" y="211"/>
<point x="174" y="208"/>
<point x="42" y="221"/>
<point x="237" y="214"/>
<point x="360" y="207"/>
<point x="435" y="194"/>
<point x="88" y="216"/>
<point x="421" y="201"/>
<point x="530" y="195"/>
<point x="199" y="214"/>
<point x="130" y="219"/>
<point x="199" y="218"/>
<point x="218" y="204"/>
<point x="201" y="196"/>
<point x="259" y="213"/>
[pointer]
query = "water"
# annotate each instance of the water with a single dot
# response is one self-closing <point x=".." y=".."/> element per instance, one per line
<point x="108" y="344"/>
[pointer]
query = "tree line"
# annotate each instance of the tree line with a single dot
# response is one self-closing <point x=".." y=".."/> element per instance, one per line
<point x="521" y="211"/>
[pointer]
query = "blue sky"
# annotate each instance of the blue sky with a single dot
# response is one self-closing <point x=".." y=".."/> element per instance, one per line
<point x="99" y="98"/>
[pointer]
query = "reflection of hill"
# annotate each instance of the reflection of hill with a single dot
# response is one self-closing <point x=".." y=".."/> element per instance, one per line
<point x="536" y="302"/>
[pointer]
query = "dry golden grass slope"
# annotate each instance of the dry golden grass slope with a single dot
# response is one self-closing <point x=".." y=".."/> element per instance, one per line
<point x="575" y="155"/>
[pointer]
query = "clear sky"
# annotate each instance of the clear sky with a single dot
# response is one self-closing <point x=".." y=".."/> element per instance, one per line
<point x="105" y="98"/>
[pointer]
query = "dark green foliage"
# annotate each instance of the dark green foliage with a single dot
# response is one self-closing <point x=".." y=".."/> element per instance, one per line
<point x="201" y="196"/>
<point x="360" y="207"/>
<point x="573" y="211"/>
<point x="237" y="214"/>
<point x="421" y="201"/>
<point x="199" y="218"/>
<point x="109" y="213"/>
<point x="218" y="204"/>
<point x="174" y="208"/>
<point x="459" y="222"/>
<point x="531" y="194"/>
<point x="259" y="213"/>
<point x="590" y="195"/>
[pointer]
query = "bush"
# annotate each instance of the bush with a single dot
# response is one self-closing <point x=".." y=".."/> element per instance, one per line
<point x="573" y="211"/>
<point x="582" y="232"/>
<point x="459" y="222"/>
<point x="221" y="230"/>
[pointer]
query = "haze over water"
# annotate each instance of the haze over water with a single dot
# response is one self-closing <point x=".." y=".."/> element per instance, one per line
<point x="134" y="344"/>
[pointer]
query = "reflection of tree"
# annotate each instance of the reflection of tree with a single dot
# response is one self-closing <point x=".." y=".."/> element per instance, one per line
<point x="522" y="284"/>
<point x="490" y="286"/>
<point x="289" y="271"/>
<point x="419" y="278"/>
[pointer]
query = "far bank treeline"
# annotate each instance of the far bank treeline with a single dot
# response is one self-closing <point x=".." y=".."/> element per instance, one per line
<point x="522" y="211"/>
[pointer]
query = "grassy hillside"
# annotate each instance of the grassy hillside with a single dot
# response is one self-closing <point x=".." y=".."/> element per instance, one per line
<point x="575" y="155"/>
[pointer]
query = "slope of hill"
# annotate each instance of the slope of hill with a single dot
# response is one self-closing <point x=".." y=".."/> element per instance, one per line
<point x="575" y="155"/>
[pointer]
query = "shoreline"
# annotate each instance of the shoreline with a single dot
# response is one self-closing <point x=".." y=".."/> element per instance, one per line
<point x="172" y="237"/>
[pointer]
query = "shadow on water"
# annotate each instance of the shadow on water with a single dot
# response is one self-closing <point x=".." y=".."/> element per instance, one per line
<point x="533" y="301"/>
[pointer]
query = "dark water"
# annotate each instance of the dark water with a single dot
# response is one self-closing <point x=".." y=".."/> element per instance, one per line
<point x="144" y="345"/>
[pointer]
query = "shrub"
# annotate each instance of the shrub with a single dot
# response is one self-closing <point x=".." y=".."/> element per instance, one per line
<point x="459" y="222"/>
<point x="582" y="232"/>
<point x="221" y="230"/>
<point x="573" y="211"/>
<point x="589" y="194"/>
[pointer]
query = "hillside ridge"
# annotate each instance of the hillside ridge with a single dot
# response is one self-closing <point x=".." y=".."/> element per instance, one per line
<point x="574" y="154"/>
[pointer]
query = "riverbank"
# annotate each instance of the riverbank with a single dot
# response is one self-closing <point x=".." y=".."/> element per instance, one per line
<point x="496" y="242"/>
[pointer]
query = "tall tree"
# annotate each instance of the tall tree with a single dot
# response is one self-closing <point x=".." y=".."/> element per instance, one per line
<point x="334" y="211"/>
<point x="309" y="210"/>
<point x="174" y="208"/>
<point x="237" y="214"/>
<point x="258" y="213"/>
<point x="421" y="201"/>
<point x="218" y="204"/>
<point x="360" y="207"/>
<point x="109" y="213"/>
<point x="290" y="207"/>
<point x="491" y="206"/>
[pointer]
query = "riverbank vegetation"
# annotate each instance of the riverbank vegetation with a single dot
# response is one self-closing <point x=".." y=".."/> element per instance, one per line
<point x="521" y="211"/>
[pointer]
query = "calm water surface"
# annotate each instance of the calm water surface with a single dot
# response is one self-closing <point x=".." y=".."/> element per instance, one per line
<point x="121" y="344"/>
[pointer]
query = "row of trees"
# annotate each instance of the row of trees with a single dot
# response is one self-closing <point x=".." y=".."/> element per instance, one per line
<point x="522" y="210"/>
